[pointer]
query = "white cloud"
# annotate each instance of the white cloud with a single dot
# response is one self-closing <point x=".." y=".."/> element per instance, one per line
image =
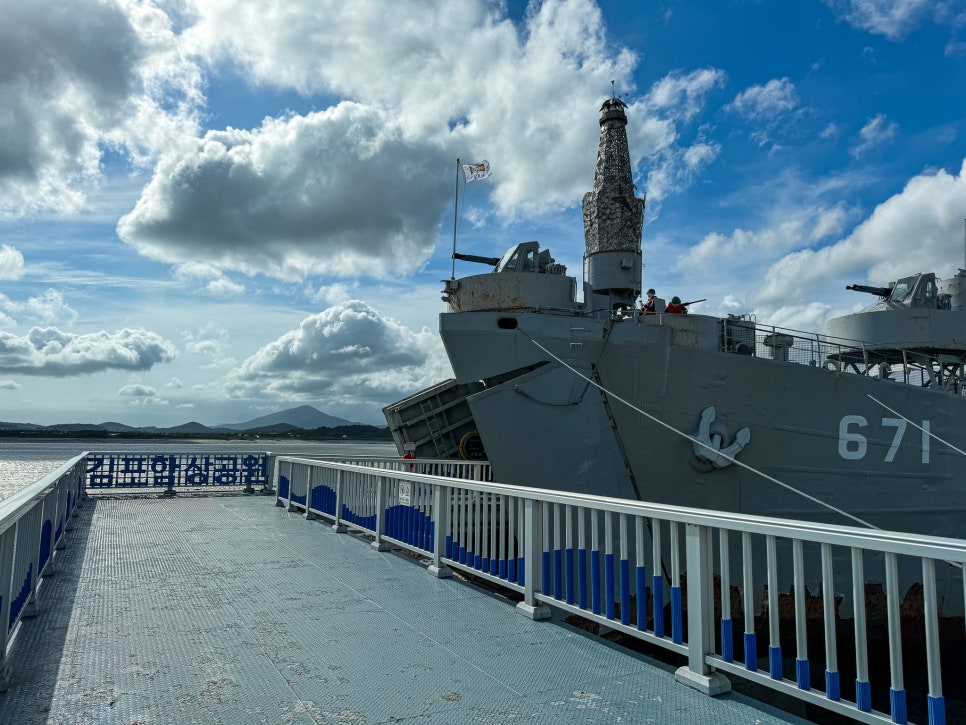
<point x="211" y="341"/>
<point x="877" y="131"/>
<point x="781" y="272"/>
<point x="451" y="79"/>
<point x="48" y="308"/>
<point x="348" y="356"/>
<point x="337" y="193"/>
<point x="141" y="395"/>
<point x="922" y="223"/>
<point x="225" y="287"/>
<point x="684" y="94"/>
<point x="137" y="390"/>
<point x="765" y="102"/>
<point x="671" y="163"/>
<point x="47" y="351"/>
<point x="359" y="188"/>
<point x="894" y="19"/>
<point x="334" y="294"/>
<point x="74" y="82"/>
<point x="11" y="262"/>
<point x="10" y="385"/>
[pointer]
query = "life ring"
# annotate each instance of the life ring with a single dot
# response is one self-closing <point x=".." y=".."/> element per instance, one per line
<point x="471" y="447"/>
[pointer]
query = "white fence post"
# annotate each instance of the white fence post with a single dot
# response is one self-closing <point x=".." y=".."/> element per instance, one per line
<point x="337" y="526"/>
<point x="440" y="526"/>
<point x="380" y="502"/>
<point x="532" y="566"/>
<point x="697" y="673"/>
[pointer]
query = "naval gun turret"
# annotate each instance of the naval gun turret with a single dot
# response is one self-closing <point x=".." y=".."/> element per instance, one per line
<point x="920" y="313"/>
<point x="881" y="291"/>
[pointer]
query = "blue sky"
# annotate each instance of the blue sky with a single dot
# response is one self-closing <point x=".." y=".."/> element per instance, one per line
<point x="214" y="210"/>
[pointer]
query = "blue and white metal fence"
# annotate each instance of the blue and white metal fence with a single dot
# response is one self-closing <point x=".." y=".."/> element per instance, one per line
<point x="651" y="572"/>
<point x="32" y="526"/>
<point x="682" y="579"/>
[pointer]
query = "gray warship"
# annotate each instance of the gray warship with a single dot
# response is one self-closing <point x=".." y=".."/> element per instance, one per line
<point x="861" y="424"/>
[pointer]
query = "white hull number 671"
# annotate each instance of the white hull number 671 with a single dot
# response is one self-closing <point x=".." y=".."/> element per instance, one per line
<point x="853" y="445"/>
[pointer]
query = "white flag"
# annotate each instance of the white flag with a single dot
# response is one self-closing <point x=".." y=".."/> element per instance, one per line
<point x="476" y="172"/>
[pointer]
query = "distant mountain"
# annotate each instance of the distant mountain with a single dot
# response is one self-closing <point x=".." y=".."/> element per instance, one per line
<point x="303" y="421"/>
<point x="114" y="427"/>
<point x="192" y="427"/>
<point x="304" y="416"/>
<point x="72" y="427"/>
<point x="19" y="426"/>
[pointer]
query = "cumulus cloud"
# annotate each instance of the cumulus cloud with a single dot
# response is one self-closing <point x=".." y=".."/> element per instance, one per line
<point x="348" y="355"/>
<point x="47" y="351"/>
<point x="776" y="97"/>
<point x="74" y="82"/>
<point x="48" y="308"/>
<point x="359" y="188"/>
<point x="10" y="385"/>
<point x="11" y="262"/>
<point x="140" y="394"/>
<point x="338" y="192"/>
<point x="463" y="76"/>
<point x="793" y="271"/>
<point x="926" y="216"/>
<point x="136" y="390"/>
<point x="684" y="94"/>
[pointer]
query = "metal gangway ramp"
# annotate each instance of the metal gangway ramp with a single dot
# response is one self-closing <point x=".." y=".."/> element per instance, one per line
<point x="225" y="608"/>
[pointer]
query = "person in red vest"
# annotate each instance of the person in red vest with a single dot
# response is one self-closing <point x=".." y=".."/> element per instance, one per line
<point x="654" y="305"/>
<point x="676" y="308"/>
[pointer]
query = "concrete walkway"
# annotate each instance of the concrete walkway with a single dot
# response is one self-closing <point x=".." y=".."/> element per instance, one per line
<point x="226" y="609"/>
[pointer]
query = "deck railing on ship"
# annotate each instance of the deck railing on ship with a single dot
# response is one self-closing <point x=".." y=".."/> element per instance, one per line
<point x="743" y="335"/>
<point x="781" y="603"/>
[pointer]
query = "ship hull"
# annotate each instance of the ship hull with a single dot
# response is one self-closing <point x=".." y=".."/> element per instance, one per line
<point x="599" y="407"/>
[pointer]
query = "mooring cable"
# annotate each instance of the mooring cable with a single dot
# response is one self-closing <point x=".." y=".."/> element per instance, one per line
<point x="692" y="439"/>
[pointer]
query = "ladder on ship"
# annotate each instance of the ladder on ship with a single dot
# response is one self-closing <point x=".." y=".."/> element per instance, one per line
<point x="432" y="424"/>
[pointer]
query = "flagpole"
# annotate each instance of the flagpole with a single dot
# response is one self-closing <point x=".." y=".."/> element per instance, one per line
<point x="456" y="204"/>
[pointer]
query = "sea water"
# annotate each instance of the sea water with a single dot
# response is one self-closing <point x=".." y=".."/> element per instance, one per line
<point x="26" y="460"/>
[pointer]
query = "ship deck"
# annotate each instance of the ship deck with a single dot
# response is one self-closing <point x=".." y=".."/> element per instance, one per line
<point x="227" y="609"/>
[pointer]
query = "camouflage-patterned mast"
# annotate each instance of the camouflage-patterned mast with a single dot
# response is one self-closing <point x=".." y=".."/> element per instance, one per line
<point x="613" y="215"/>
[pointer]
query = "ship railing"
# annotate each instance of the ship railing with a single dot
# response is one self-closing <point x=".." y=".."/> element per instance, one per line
<point x="762" y="599"/>
<point x="33" y="523"/>
<point x="841" y="354"/>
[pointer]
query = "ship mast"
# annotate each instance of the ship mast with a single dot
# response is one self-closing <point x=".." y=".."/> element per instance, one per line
<point x="613" y="215"/>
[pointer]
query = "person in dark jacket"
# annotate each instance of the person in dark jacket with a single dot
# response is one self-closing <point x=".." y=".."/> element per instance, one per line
<point x="654" y="305"/>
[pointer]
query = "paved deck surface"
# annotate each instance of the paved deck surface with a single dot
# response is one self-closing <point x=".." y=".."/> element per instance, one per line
<point x="226" y="609"/>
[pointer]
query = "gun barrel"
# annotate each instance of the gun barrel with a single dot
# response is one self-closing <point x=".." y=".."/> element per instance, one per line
<point x="692" y="302"/>
<point x="881" y="291"/>
<point x="492" y="261"/>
